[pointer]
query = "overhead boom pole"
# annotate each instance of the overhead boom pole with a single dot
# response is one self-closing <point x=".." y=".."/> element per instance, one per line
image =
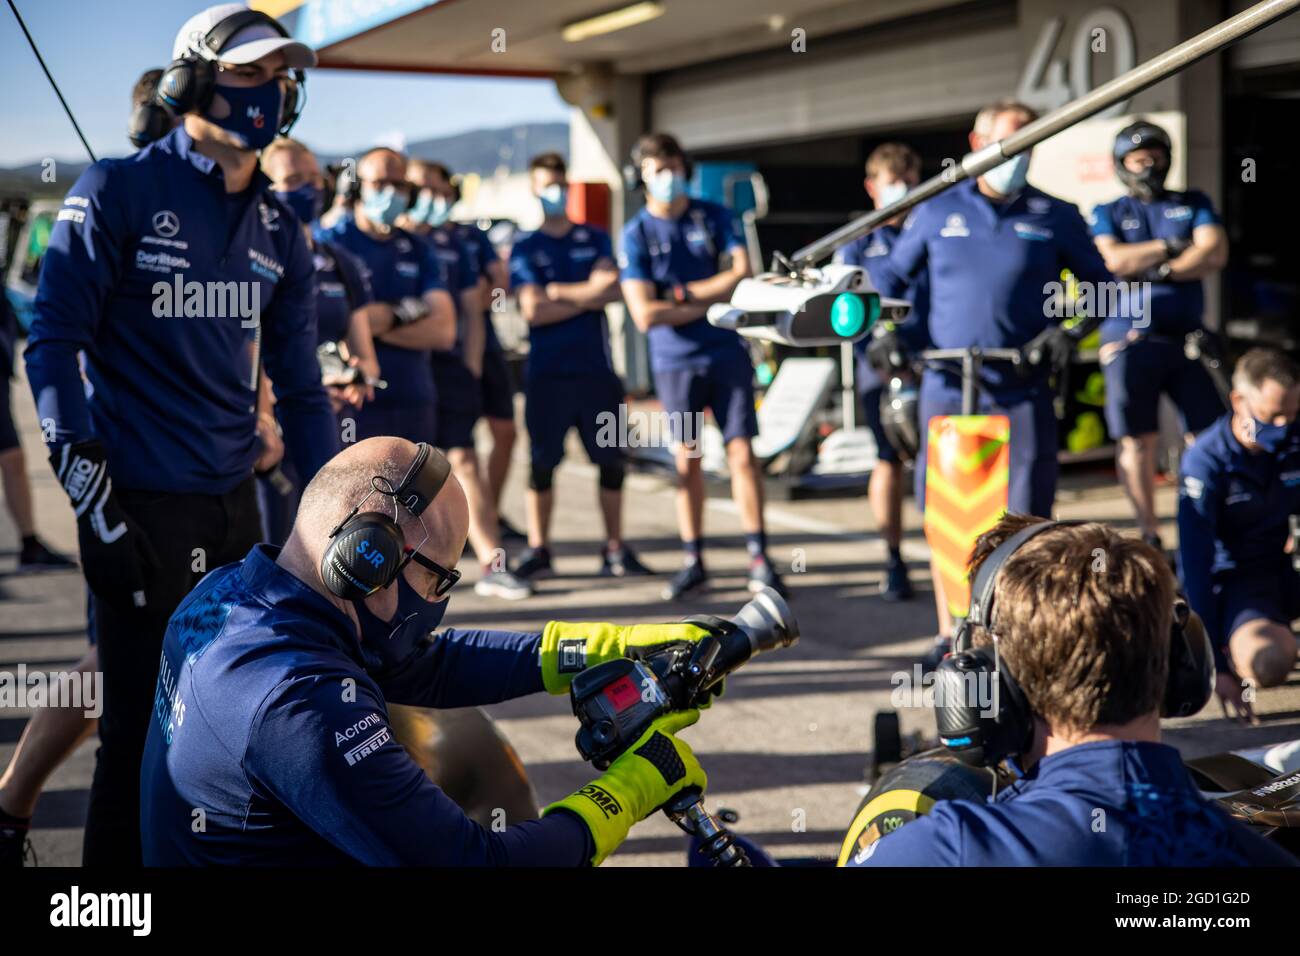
<point x="1109" y="93"/>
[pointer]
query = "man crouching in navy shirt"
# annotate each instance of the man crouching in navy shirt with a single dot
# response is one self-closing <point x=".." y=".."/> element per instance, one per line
<point x="271" y="720"/>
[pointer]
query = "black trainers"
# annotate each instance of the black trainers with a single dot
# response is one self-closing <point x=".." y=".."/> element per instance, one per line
<point x="763" y="575"/>
<point x="686" y="582"/>
<point x="942" y="648"/>
<point x="35" y="557"/>
<point x="503" y="584"/>
<point x="509" y="532"/>
<point x="896" y="586"/>
<point x="15" y="848"/>
<point x="621" y="563"/>
<point x="534" y="563"/>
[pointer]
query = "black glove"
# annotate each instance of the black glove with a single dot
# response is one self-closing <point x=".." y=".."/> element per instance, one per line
<point x="410" y="309"/>
<point x="115" y="555"/>
<point x="1156" y="273"/>
<point x="887" y="353"/>
<point x="1051" y="347"/>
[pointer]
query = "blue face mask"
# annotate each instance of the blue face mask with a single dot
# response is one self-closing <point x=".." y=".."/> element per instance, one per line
<point x="665" y="186"/>
<point x="383" y="205"/>
<point x="1269" y="437"/>
<point x="305" y="201"/>
<point x="554" y="199"/>
<point x="891" y="193"/>
<point x="1009" y="178"/>
<point x="422" y="206"/>
<point x="254" y="112"/>
<point x="439" y="211"/>
<point x="390" y="642"/>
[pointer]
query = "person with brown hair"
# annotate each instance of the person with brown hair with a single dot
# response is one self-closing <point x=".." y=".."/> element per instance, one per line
<point x="678" y="256"/>
<point x="1082" y="620"/>
<point x="892" y="169"/>
<point x="1235" y="496"/>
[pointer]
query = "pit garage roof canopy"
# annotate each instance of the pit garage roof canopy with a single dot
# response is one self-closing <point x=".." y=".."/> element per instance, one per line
<point x="547" y="37"/>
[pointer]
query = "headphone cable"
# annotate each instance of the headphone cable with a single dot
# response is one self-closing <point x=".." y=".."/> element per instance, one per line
<point x="57" y="92"/>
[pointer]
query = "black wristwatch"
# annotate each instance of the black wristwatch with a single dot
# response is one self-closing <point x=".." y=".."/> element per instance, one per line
<point x="1163" y="271"/>
<point x="681" y="294"/>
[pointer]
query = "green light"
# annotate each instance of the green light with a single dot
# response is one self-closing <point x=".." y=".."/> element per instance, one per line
<point x="849" y="315"/>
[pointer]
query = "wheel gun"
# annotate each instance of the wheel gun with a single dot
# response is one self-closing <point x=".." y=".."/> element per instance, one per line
<point x="616" y="702"/>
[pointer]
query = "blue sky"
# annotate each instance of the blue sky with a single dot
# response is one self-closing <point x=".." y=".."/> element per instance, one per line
<point x="97" y="48"/>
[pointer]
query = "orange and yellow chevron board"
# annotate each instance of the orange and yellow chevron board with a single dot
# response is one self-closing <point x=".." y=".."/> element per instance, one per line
<point x="966" y="474"/>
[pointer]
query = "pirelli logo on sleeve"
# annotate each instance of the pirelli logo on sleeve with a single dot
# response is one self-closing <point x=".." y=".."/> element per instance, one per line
<point x="364" y="737"/>
<point x="368" y="746"/>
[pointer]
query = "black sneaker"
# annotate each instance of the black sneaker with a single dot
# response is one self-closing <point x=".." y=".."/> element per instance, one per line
<point x="686" y="582"/>
<point x="36" y="557"/>
<point x="763" y="575"/>
<point x="942" y="648"/>
<point x="503" y="584"/>
<point x="621" y="563"/>
<point x="15" y="848"/>
<point x="509" y="532"/>
<point x="896" y="586"/>
<point x="534" y="563"/>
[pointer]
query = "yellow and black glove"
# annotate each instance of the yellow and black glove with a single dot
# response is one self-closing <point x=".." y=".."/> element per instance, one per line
<point x="646" y="776"/>
<point x="569" y="649"/>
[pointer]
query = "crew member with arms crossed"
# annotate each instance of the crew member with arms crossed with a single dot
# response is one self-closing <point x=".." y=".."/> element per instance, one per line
<point x="416" y="314"/>
<point x="158" y="460"/>
<point x="277" y="672"/>
<point x="458" y="371"/>
<point x="1167" y="243"/>
<point x="565" y="275"/>
<point x="679" y="256"/>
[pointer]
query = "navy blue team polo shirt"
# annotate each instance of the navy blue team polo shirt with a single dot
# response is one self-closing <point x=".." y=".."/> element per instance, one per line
<point x="579" y="344"/>
<point x="151" y="271"/>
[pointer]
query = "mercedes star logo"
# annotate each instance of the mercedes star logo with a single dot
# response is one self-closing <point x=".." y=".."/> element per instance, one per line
<point x="166" y="223"/>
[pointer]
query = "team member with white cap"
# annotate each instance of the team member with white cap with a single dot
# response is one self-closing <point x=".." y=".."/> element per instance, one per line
<point x="158" y="461"/>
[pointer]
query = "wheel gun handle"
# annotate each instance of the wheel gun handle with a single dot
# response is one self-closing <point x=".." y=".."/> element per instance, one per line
<point x="716" y="841"/>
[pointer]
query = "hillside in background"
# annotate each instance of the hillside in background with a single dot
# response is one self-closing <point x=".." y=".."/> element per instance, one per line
<point x="480" y="151"/>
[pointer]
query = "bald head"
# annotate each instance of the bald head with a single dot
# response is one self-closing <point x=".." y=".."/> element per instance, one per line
<point x="346" y="479"/>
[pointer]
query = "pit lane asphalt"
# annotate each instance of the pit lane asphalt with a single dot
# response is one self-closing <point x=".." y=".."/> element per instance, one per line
<point x="786" y="747"/>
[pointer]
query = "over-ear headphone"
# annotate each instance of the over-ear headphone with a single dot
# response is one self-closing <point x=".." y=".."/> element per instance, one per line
<point x="189" y="83"/>
<point x="150" y="121"/>
<point x="984" y="736"/>
<point x="368" y="551"/>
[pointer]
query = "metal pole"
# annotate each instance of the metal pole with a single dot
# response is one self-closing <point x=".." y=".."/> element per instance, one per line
<point x="1120" y="88"/>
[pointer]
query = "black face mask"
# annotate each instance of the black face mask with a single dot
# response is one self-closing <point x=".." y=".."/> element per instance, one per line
<point x="1147" y="185"/>
<point x="387" y="643"/>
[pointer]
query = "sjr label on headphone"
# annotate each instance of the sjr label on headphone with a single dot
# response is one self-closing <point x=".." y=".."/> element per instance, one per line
<point x="372" y="555"/>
